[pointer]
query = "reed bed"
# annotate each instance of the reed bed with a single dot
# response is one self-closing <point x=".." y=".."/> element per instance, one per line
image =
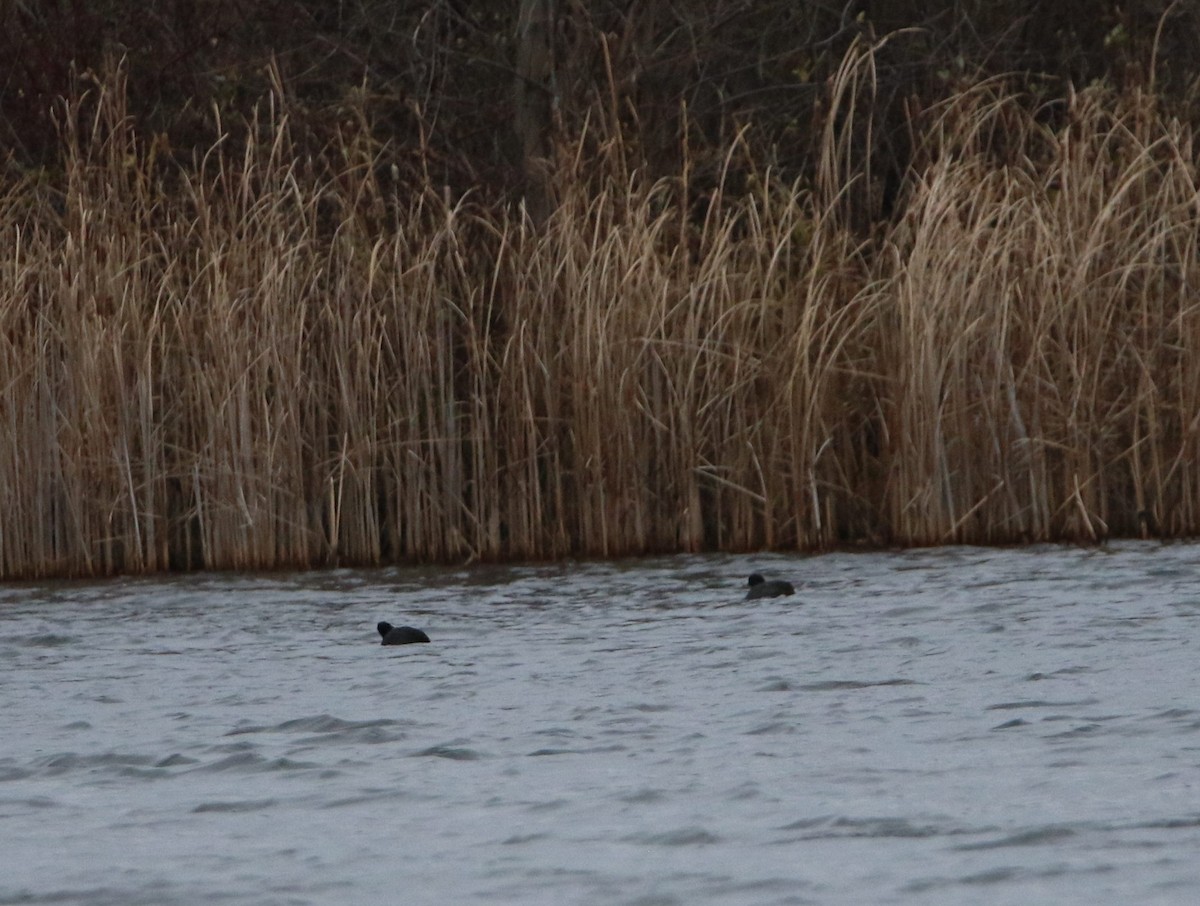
<point x="263" y="360"/>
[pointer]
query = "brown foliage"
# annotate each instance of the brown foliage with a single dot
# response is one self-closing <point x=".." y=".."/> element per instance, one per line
<point x="270" y="358"/>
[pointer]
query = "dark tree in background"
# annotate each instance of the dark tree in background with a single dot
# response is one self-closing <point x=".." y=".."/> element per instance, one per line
<point x="535" y="90"/>
<point x="478" y="94"/>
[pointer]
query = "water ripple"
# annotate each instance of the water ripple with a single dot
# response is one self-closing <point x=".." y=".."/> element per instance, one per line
<point x="625" y="732"/>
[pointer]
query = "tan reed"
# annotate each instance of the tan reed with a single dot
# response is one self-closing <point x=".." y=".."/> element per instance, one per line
<point x="264" y="360"/>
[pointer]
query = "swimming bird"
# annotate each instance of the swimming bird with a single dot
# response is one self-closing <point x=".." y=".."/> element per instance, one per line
<point x="400" y="635"/>
<point x="761" y="588"/>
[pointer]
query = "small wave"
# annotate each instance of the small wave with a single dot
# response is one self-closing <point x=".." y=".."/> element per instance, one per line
<point x="1002" y="874"/>
<point x="45" y="640"/>
<point x="771" y="728"/>
<point x="153" y="895"/>
<point x="1036" y="836"/>
<point x="1174" y="714"/>
<point x="1184" y="823"/>
<point x="991" y="876"/>
<point x="320" y="723"/>
<point x="517" y="839"/>
<point x="10" y="807"/>
<point x="1040" y="703"/>
<point x="1010" y="724"/>
<point x="1090" y="729"/>
<point x="837" y="685"/>
<point x="684" y="836"/>
<point x="251" y="805"/>
<point x="842" y="827"/>
<point x="908" y="611"/>
<point x="65" y="762"/>
<point x="454" y="753"/>
<point x="250" y="761"/>
<point x="1066" y="671"/>
<point x="588" y="750"/>
<point x="776" y="684"/>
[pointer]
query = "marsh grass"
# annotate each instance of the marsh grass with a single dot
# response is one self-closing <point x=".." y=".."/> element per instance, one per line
<point x="265" y="360"/>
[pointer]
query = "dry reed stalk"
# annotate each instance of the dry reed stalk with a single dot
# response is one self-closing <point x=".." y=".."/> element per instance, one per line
<point x="263" y="361"/>
<point x="1031" y="301"/>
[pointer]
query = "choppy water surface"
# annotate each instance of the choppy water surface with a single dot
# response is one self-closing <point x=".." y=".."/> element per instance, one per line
<point x="945" y="726"/>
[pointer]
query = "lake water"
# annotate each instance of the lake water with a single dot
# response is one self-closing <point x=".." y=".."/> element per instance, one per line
<point x="948" y="726"/>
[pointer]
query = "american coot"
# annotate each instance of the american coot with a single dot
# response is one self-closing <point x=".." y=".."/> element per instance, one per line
<point x="761" y="588"/>
<point x="400" y="635"/>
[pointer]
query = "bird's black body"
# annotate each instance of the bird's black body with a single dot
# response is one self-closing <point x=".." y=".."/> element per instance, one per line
<point x="400" y="635"/>
<point x="761" y="588"/>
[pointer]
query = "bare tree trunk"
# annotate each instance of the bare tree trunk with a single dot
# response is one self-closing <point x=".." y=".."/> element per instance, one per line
<point x="535" y="99"/>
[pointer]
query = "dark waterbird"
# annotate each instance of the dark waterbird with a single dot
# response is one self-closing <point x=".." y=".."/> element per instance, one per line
<point x="400" y="635"/>
<point x="761" y="588"/>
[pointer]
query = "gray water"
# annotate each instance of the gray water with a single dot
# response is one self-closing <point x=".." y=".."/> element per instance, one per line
<point x="949" y="726"/>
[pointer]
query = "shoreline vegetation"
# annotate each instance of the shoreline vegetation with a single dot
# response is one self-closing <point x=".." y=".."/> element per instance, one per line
<point x="268" y="359"/>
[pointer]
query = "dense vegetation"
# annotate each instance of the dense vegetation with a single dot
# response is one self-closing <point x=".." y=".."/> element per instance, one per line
<point x="294" y="283"/>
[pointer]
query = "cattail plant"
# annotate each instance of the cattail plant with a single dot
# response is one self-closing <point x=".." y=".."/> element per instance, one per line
<point x="259" y="358"/>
